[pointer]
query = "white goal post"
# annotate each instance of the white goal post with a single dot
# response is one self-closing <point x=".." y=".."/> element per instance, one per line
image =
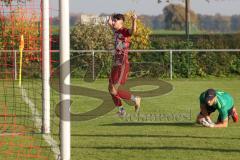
<point x="65" y="131"/>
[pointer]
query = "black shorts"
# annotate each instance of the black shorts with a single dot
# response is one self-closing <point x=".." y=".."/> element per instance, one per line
<point x="209" y="110"/>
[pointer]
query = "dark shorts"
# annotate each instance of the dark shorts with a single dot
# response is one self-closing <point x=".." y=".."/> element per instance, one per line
<point x="211" y="110"/>
<point x="119" y="74"/>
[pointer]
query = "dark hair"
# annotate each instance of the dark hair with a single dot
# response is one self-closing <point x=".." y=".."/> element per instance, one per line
<point x="118" y="16"/>
<point x="210" y="94"/>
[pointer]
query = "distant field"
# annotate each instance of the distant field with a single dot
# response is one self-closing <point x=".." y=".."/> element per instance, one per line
<point x="164" y="129"/>
<point x="174" y="32"/>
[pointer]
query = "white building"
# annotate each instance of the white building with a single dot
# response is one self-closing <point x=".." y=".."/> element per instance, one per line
<point x="90" y="18"/>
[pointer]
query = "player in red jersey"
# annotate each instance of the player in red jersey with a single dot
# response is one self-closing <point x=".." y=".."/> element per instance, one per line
<point x="120" y="67"/>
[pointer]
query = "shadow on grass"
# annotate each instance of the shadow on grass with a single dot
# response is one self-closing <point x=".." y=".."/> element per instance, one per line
<point x="151" y="136"/>
<point x="161" y="148"/>
<point x="178" y="124"/>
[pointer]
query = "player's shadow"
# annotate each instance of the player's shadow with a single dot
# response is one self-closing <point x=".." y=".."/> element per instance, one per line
<point x="151" y="136"/>
<point x="179" y="124"/>
<point x="160" y="148"/>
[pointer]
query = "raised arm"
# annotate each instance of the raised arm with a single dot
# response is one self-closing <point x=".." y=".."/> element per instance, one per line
<point x="110" y="22"/>
<point x="134" y="24"/>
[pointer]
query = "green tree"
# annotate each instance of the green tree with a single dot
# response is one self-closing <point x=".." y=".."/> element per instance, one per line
<point x="22" y="26"/>
<point x="140" y="40"/>
<point x="147" y="20"/>
<point x="91" y="36"/>
<point x="158" y="22"/>
<point x="216" y="23"/>
<point x="99" y="37"/>
<point x="19" y="22"/>
<point x="1" y="40"/>
<point x="174" y="17"/>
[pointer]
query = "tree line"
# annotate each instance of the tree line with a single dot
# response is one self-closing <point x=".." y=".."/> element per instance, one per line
<point x="173" y="18"/>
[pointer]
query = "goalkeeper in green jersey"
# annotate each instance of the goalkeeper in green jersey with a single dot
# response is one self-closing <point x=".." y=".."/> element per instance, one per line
<point x="211" y="100"/>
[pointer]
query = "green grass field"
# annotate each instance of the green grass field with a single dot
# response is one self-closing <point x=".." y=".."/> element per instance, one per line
<point x="165" y="128"/>
<point x="110" y="137"/>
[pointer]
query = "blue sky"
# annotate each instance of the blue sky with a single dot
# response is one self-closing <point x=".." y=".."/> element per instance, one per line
<point x="149" y="7"/>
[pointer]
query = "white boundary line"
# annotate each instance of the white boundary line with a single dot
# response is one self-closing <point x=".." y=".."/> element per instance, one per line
<point x="38" y="124"/>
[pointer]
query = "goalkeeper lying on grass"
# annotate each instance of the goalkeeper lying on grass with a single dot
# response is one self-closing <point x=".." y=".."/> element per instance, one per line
<point x="211" y="100"/>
